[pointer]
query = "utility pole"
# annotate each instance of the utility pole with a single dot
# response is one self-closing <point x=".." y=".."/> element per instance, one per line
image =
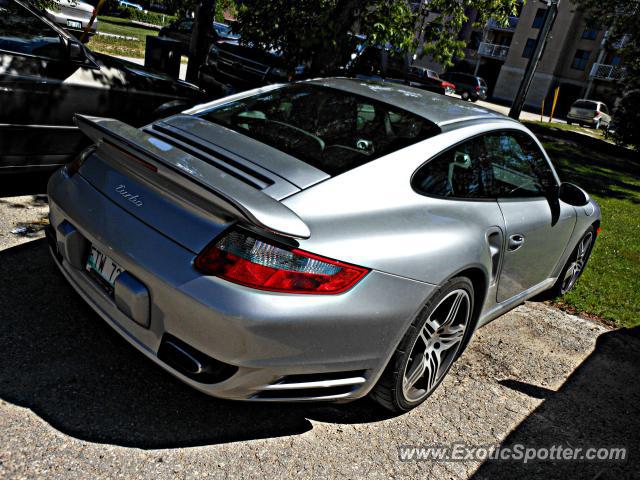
<point x="541" y="41"/>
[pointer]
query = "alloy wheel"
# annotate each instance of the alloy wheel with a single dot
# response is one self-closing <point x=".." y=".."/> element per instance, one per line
<point x="436" y="346"/>
<point x="578" y="263"/>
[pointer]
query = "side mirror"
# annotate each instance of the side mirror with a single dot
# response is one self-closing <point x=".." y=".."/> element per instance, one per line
<point x="76" y="52"/>
<point x="573" y="195"/>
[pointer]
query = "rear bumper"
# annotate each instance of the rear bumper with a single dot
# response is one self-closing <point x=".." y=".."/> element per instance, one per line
<point x="266" y="336"/>
<point x="61" y="19"/>
<point x="580" y="119"/>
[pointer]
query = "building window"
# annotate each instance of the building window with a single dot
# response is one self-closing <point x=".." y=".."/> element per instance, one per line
<point x="528" y="48"/>
<point x="581" y="59"/>
<point x="539" y="20"/>
<point x="590" y="33"/>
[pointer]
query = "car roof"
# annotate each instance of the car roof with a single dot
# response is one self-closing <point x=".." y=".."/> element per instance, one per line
<point x="439" y="109"/>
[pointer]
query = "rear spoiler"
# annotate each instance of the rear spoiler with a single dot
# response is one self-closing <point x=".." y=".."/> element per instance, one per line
<point x="207" y="182"/>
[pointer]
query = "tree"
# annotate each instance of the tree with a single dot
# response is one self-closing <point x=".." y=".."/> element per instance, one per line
<point x="620" y="18"/>
<point x="318" y="32"/>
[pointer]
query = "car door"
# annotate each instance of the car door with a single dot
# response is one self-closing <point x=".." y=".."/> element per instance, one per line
<point x="42" y="85"/>
<point x="537" y="228"/>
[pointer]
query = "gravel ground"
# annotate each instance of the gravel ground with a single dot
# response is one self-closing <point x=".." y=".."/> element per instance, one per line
<point x="76" y="401"/>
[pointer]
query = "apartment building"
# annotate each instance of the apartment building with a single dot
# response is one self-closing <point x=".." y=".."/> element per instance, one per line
<point x="575" y="58"/>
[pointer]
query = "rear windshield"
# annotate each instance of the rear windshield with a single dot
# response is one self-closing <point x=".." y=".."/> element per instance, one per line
<point x="333" y="130"/>
<point x="586" y="105"/>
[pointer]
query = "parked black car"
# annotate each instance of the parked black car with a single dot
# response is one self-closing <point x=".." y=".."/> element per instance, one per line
<point x="181" y="30"/>
<point x="469" y="87"/>
<point x="46" y="76"/>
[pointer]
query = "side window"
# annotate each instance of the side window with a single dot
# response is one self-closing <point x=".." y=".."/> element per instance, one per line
<point x="23" y="32"/>
<point x="458" y="173"/>
<point x="518" y="169"/>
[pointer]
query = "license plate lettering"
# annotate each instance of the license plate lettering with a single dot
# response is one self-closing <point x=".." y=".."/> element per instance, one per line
<point x="104" y="266"/>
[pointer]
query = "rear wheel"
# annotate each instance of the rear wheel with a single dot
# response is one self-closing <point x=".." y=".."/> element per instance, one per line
<point x="465" y="95"/>
<point x="429" y="348"/>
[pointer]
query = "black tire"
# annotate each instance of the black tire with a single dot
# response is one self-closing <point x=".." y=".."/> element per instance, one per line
<point x="465" y="96"/>
<point x="388" y="392"/>
<point x="560" y="287"/>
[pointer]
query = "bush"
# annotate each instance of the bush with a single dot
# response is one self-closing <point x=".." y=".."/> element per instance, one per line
<point x="153" y="18"/>
<point x="627" y="120"/>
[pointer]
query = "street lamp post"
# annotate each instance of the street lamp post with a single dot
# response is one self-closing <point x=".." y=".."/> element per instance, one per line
<point x="541" y="41"/>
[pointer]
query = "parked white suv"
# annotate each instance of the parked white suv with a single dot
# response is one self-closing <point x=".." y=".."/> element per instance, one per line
<point x="589" y="112"/>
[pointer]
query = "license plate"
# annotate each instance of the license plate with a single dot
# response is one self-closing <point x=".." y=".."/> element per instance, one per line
<point x="74" y="24"/>
<point x="104" y="266"/>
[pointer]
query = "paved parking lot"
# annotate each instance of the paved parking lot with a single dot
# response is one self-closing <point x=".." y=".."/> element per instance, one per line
<point x="76" y="401"/>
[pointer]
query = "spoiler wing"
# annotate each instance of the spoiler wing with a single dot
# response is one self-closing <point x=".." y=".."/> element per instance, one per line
<point x="207" y="181"/>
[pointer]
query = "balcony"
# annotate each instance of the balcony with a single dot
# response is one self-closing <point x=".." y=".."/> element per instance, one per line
<point x="602" y="71"/>
<point x="494" y="51"/>
<point x="622" y="42"/>
<point x="509" y="27"/>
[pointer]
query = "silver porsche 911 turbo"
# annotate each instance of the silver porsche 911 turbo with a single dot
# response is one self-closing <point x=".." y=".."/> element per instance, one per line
<point x="321" y="240"/>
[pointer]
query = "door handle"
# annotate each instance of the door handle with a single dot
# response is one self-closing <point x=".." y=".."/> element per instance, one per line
<point x="515" y="241"/>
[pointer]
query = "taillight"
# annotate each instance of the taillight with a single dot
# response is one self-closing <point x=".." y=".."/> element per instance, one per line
<point x="242" y="258"/>
<point x="74" y="165"/>
<point x="477" y="88"/>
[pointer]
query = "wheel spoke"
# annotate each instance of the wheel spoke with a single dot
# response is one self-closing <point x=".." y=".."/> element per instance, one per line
<point x="416" y="372"/>
<point x="451" y="336"/>
<point x="433" y="368"/>
<point x="457" y="301"/>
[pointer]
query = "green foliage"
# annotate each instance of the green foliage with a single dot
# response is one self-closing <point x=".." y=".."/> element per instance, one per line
<point x="153" y="18"/>
<point x="610" y="285"/>
<point x="620" y="17"/>
<point x="318" y="32"/>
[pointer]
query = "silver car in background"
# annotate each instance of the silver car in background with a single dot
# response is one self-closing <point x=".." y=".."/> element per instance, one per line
<point x="589" y="112"/>
<point x="73" y="16"/>
<point x="321" y="240"/>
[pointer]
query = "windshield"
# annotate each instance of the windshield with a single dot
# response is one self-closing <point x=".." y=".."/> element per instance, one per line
<point x="330" y="129"/>
<point x="586" y="105"/>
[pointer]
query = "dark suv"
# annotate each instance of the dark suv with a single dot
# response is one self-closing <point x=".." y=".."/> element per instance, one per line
<point x="469" y="87"/>
<point x="231" y="67"/>
<point x="181" y="30"/>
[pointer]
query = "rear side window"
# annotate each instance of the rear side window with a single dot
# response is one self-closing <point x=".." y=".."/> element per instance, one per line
<point x="518" y="167"/>
<point x="332" y="130"/>
<point x="23" y="32"/>
<point x="499" y="165"/>
<point x="458" y="173"/>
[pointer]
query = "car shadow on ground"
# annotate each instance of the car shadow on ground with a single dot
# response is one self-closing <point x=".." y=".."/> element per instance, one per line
<point x="60" y="360"/>
<point x="598" y="406"/>
<point x="16" y="184"/>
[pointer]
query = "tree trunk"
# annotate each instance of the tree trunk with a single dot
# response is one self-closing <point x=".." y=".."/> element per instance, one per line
<point x="326" y="61"/>
<point x="200" y="37"/>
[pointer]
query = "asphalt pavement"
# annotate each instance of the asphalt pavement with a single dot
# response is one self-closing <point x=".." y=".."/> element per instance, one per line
<point x="77" y="401"/>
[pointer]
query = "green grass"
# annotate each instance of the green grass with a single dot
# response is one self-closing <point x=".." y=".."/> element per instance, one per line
<point x="610" y="286"/>
<point x="119" y="46"/>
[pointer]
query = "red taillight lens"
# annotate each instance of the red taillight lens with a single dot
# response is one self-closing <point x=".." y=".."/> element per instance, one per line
<point x="477" y="88"/>
<point x="250" y="261"/>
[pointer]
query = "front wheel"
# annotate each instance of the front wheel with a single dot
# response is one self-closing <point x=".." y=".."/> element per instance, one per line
<point x="429" y="348"/>
<point x="574" y="267"/>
